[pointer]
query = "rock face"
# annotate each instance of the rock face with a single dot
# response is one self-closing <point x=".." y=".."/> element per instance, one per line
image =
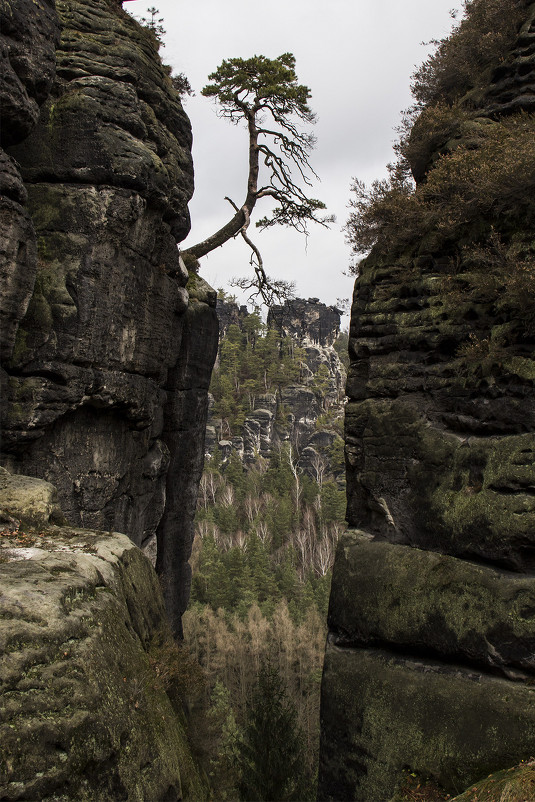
<point x="314" y="326"/>
<point x="309" y="322"/>
<point x="430" y="657"/>
<point x="85" y="643"/>
<point x="29" y="33"/>
<point x="108" y="355"/>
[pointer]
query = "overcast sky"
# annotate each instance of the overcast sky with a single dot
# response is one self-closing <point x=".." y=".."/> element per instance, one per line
<point x="356" y="56"/>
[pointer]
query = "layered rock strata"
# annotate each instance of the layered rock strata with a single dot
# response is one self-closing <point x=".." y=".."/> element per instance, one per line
<point x="109" y="360"/>
<point x="430" y="661"/>
<point x="86" y="648"/>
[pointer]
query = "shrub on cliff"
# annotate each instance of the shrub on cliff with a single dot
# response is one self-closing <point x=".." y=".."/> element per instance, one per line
<point x="472" y="173"/>
<point x="486" y="180"/>
<point x="481" y="40"/>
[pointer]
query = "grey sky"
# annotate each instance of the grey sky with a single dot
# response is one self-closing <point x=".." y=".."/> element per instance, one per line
<point x="356" y="56"/>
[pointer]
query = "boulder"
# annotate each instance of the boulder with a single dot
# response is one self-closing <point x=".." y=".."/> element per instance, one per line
<point x="31" y="501"/>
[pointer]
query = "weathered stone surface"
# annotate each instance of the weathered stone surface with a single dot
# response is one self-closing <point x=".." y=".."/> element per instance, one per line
<point x="418" y="481"/>
<point x="18" y="255"/>
<point x="113" y="117"/>
<point x="85" y="716"/>
<point x="104" y="295"/>
<point x="383" y="712"/>
<point x="28" y="499"/>
<point x="29" y="32"/>
<point x="90" y="381"/>
<point x="185" y="418"/>
<point x="421" y="602"/>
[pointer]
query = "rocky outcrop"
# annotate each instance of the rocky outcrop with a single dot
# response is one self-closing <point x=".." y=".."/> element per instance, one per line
<point x="88" y="708"/>
<point x="309" y="322"/>
<point x="430" y="656"/>
<point x="25" y="498"/>
<point x="292" y="412"/>
<point x="105" y="386"/>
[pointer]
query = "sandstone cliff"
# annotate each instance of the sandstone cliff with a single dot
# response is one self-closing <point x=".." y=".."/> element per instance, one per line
<point x="106" y="355"/>
<point x="430" y="658"/>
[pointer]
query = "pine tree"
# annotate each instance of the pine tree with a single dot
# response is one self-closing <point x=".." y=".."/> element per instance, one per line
<point x="333" y="502"/>
<point x="272" y="752"/>
<point x="224" y="744"/>
<point x="265" y="95"/>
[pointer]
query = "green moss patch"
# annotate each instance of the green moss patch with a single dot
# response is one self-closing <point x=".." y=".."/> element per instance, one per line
<point x="516" y="784"/>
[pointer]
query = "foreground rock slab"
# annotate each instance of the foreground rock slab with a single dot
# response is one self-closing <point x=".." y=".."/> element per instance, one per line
<point x="85" y="715"/>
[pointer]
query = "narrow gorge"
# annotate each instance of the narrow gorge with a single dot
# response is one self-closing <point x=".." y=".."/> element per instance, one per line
<point x="115" y="397"/>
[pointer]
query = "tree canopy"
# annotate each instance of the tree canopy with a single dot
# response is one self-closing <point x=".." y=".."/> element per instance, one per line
<point x="265" y="95"/>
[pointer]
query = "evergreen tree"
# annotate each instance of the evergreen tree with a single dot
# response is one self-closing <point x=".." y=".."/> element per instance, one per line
<point x="223" y="737"/>
<point x="272" y="752"/>
<point x="264" y="93"/>
<point x="333" y="502"/>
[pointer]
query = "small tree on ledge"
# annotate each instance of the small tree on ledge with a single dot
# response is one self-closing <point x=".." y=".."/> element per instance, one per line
<point x="264" y="93"/>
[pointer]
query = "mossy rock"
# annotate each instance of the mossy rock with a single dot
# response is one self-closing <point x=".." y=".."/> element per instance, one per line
<point x="199" y="289"/>
<point x="416" y="482"/>
<point x="516" y="784"/>
<point x="29" y="500"/>
<point x="408" y="598"/>
<point x="383" y="712"/>
<point x="86" y="712"/>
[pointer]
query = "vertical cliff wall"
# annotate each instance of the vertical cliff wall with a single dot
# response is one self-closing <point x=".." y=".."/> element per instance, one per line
<point x="430" y="658"/>
<point x="29" y="34"/>
<point x="107" y="359"/>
